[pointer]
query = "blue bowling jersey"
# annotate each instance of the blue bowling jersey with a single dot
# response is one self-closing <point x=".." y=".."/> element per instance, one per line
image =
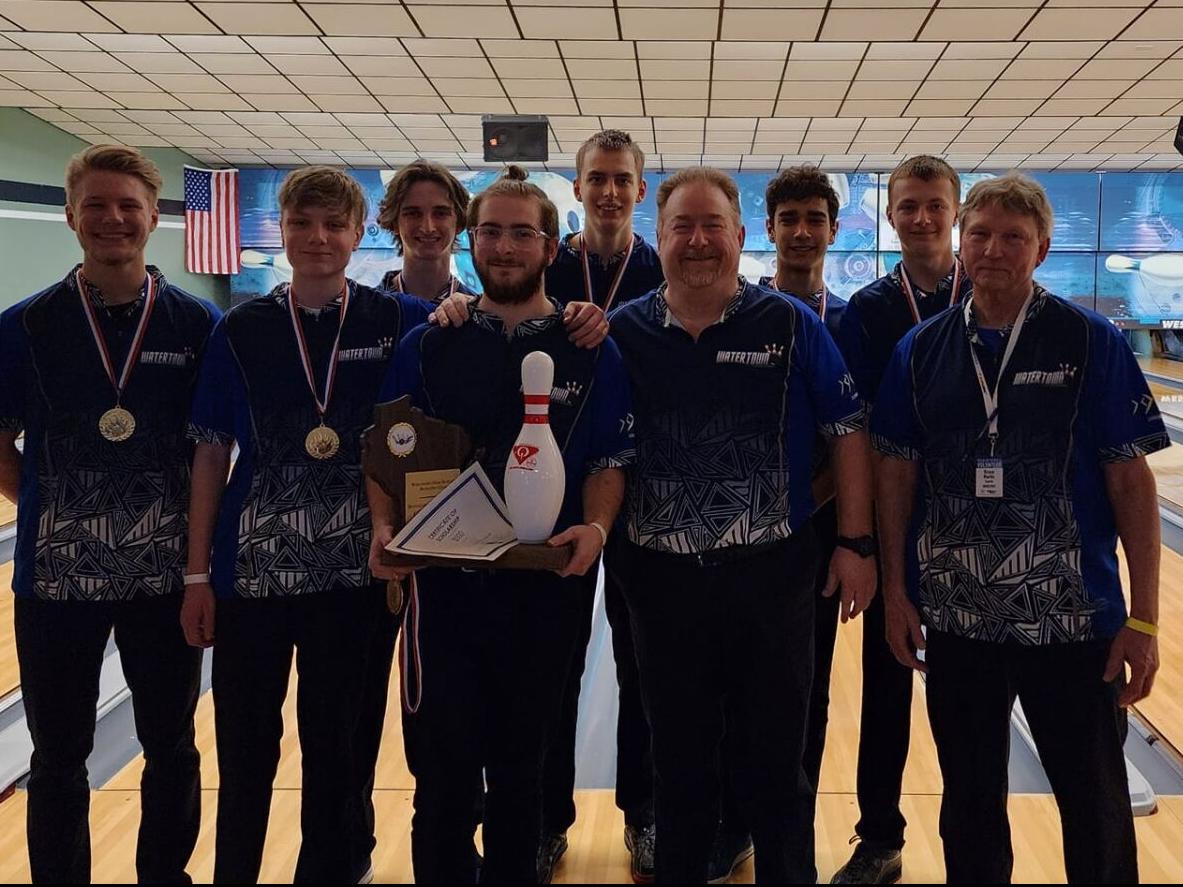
<point x="289" y="523"/>
<point x="97" y="519"/>
<point x="589" y="403"/>
<point x="1037" y="565"/>
<point x="392" y="283"/>
<point x="725" y="426"/>
<point x="835" y="306"/>
<point x="879" y="315"/>
<point x="564" y="277"/>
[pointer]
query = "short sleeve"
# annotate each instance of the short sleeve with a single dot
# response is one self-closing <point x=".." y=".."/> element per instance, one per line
<point x="855" y="344"/>
<point x="404" y="373"/>
<point x="415" y="311"/>
<point x="1127" y="423"/>
<point x="212" y="417"/>
<point x="14" y="358"/>
<point x="835" y="398"/>
<point x="610" y="413"/>
<point x="894" y="427"/>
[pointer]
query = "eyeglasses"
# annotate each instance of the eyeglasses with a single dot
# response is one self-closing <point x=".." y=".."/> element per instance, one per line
<point x="519" y="235"/>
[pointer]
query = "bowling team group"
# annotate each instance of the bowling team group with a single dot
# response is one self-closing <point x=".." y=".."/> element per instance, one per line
<point x="953" y="454"/>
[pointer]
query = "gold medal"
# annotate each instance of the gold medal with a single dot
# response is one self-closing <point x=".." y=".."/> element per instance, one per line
<point x="322" y="442"/>
<point x="117" y="424"/>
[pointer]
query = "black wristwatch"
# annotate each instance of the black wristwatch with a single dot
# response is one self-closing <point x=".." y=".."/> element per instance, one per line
<point x="863" y="546"/>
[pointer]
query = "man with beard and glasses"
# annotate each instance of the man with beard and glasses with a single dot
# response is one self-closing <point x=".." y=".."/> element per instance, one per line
<point x="493" y="648"/>
<point x="731" y="384"/>
<point x="608" y="264"/>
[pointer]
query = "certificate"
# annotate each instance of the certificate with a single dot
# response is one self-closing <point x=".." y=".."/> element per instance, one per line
<point x="466" y="520"/>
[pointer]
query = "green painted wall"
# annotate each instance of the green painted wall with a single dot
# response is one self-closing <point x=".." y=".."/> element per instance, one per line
<point x="34" y="252"/>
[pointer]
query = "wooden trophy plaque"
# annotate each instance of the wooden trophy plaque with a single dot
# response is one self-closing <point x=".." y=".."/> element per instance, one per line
<point x="413" y="457"/>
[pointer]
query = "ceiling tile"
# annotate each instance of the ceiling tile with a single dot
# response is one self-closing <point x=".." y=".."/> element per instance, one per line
<point x="1041" y="69"/>
<point x="159" y="63"/>
<point x="80" y="99"/>
<point x="21" y="60"/>
<point x="976" y="69"/>
<point x="873" y="24"/>
<point x="156" y="100"/>
<point x="601" y="69"/>
<point x="456" y="67"/>
<point x="277" y="101"/>
<point x="828" y="51"/>
<point x="1157" y="24"/>
<point x="671" y="24"/>
<point x="676" y="106"/>
<point x="597" y="49"/>
<point x="42" y="80"/>
<point x="521" y="49"/>
<point x="541" y="106"/>
<point x="751" y="50"/>
<point x="362" y="20"/>
<point x="1127" y="49"/>
<point x="465" y="21"/>
<point x="212" y="101"/>
<point x="327" y="85"/>
<point x="554" y="22"/>
<point x="1000" y="107"/>
<point x="675" y="89"/>
<point x="536" y="88"/>
<point x="206" y="43"/>
<point x="670" y="69"/>
<point x="807" y="108"/>
<point x="365" y="46"/>
<point x="38" y="40"/>
<point x="1116" y="69"/>
<point x="953" y="89"/>
<point x="1142" y="106"/>
<point x="734" y="69"/>
<point x="1071" y="24"/>
<point x="1023" y="89"/>
<point x="948" y="107"/>
<point x="1093" y="89"/>
<point x="863" y="107"/>
<point x="54" y="15"/>
<point x="610" y="106"/>
<point x="392" y="86"/>
<point x="607" y="89"/>
<point x="1072" y="106"/>
<point x="363" y="102"/>
<point x="258" y="83"/>
<point x="378" y="66"/>
<point x="308" y="64"/>
<point x="820" y="70"/>
<point x="894" y="69"/>
<point x="736" y="89"/>
<point x="234" y="62"/>
<point x="468" y="86"/>
<point x="983" y="24"/>
<point x="1061" y="49"/>
<point x="540" y="69"/>
<point x="154" y="17"/>
<point x="770" y="24"/>
<point x="259" y="18"/>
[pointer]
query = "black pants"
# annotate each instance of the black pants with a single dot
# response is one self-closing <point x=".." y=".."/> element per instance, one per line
<point x="825" y="632"/>
<point x="60" y="648"/>
<point x="885" y="727"/>
<point x="1079" y="732"/>
<point x="738" y="633"/>
<point x="634" y="763"/>
<point x="255" y="639"/>
<point x="492" y="651"/>
<point x="371" y="721"/>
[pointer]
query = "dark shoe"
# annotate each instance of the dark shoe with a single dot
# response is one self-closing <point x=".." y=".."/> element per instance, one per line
<point x="871" y="864"/>
<point x="640" y="843"/>
<point x="728" y="853"/>
<point x="550" y="851"/>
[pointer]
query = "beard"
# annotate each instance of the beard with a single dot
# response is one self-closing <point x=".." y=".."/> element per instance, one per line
<point x="696" y="274"/>
<point x="512" y="293"/>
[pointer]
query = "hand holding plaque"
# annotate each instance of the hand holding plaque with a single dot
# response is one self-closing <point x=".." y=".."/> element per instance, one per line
<point x="418" y="461"/>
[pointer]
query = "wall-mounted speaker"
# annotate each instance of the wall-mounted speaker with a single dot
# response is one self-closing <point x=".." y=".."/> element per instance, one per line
<point x="510" y="138"/>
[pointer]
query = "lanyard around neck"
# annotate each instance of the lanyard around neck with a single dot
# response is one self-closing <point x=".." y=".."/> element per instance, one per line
<point x="990" y="395"/>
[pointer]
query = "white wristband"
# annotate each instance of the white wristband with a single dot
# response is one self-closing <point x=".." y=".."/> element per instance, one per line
<point x="603" y="532"/>
<point x="196" y="578"/>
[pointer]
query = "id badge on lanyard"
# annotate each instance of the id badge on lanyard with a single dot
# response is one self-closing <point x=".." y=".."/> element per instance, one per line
<point x="988" y="473"/>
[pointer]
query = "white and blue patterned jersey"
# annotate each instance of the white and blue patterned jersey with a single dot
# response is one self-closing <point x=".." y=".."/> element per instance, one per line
<point x="100" y="520"/>
<point x="1039" y="564"/>
<point x="289" y="523"/>
<point x="725" y="426"/>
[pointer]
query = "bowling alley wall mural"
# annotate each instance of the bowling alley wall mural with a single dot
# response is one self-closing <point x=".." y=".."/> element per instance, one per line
<point x="1117" y="245"/>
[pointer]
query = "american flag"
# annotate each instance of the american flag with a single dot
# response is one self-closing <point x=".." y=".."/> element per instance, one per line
<point x="211" y="221"/>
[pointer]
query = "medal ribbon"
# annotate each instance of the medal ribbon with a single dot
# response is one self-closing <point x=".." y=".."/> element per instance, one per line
<point x="990" y="397"/>
<point x="910" y="294"/>
<point x="133" y="353"/>
<point x="453" y="286"/>
<point x="822" y="296"/>
<point x="588" y="292"/>
<point x="322" y="406"/>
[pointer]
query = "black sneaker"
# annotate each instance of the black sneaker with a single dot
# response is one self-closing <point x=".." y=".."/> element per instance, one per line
<point x="727" y="854"/>
<point x="870" y="864"/>
<point x="640" y="843"/>
<point x="550" y="851"/>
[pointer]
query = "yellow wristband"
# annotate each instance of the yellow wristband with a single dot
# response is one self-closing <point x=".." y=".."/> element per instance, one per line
<point x="1144" y="627"/>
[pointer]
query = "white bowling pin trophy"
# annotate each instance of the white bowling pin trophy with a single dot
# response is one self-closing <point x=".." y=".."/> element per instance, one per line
<point x="534" y="476"/>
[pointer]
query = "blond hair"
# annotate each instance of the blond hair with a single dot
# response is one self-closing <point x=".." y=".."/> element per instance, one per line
<point x="1014" y="193"/>
<point x="699" y="174"/>
<point x="324" y="186"/>
<point x="112" y="158"/>
<point x="512" y="183"/>
<point x="610" y="140"/>
<point x="928" y="169"/>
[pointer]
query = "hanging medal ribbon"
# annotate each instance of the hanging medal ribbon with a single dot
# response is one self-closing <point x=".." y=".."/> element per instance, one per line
<point x="588" y="292"/>
<point x="822" y="296"/>
<point x="990" y="396"/>
<point x="910" y="293"/>
<point x="321" y="442"/>
<point x="117" y="424"/>
<point x="453" y="286"/>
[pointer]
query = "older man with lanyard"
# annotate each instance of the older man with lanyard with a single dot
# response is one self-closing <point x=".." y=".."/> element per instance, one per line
<point x="1016" y="429"/>
<point x="97" y="370"/>
<point x="923" y="194"/>
<point x="731" y="382"/>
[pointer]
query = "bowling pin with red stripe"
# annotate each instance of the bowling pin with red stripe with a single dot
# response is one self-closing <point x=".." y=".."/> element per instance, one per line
<point x="534" y="476"/>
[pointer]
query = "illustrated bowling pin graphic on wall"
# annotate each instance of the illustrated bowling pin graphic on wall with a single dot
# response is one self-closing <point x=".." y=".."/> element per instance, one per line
<point x="534" y="476"/>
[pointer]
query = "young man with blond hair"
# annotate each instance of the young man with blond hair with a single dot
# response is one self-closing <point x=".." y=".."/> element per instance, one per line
<point x="923" y="194"/>
<point x="278" y="556"/>
<point x="1023" y="422"/>
<point x="606" y="263"/>
<point x="731" y="382"/>
<point x="97" y="371"/>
